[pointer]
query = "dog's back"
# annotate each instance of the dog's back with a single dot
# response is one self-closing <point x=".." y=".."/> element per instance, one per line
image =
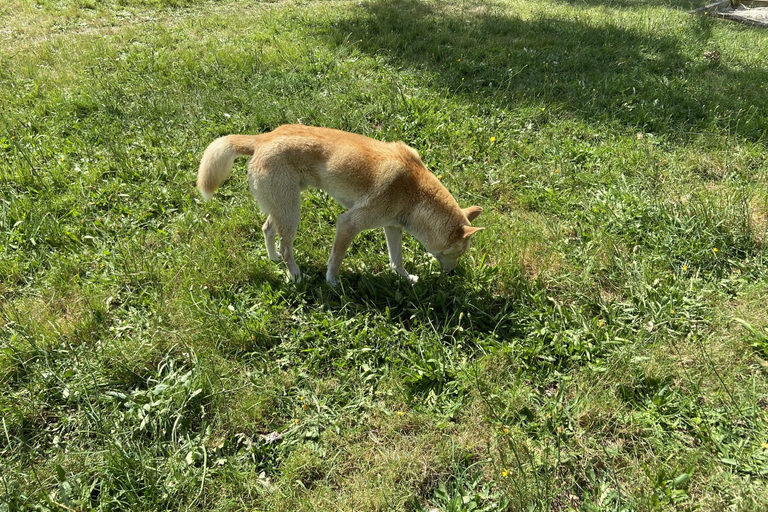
<point x="347" y="166"/>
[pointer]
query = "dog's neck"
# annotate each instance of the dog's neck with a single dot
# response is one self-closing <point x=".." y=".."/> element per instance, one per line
<point x="434" y="223"/>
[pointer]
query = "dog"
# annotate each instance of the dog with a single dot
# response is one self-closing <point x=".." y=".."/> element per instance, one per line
<point x="381" y="184"/>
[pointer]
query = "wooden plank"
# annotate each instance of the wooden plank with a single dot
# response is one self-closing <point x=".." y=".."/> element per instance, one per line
<point x="735" y="10"/>
<point x="726" y="4"/>
<point x="712" y="7"/>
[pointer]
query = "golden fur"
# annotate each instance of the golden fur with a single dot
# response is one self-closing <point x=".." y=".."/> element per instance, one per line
<point x="382" y="185"/>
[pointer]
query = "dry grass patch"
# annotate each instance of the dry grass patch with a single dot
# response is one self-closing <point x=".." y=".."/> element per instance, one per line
<point x="758" y="207"/>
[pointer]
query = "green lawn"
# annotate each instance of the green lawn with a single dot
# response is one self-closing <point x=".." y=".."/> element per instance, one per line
<point x="603" y="344"/>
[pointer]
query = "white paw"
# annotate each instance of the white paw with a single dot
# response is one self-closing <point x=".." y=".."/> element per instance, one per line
<point x="332" y="280"/>
<point x="274" y="257"/>
<point x="412" y="278"/>
<point x="296" y="278"/>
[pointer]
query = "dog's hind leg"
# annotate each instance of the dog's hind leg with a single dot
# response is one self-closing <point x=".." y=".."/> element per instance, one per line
<point x="279" y="196"/>
<point x="346" y="230"/>
<point x="270" y="234"/>
<point x="287" y="223"/>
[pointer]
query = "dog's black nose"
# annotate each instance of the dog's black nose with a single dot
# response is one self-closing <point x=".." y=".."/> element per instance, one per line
<point x="450" y="272"/>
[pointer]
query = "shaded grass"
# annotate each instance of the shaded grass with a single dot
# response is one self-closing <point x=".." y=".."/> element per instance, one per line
<point x="585" y="356"/>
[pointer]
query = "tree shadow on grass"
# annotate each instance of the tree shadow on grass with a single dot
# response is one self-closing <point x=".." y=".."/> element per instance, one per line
<point x="597" y="71"/>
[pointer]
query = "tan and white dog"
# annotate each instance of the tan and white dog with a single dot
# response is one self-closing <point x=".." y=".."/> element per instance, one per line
<point x="382" y="185"/>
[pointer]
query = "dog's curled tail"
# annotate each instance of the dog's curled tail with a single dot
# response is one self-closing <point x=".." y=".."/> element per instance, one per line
<point x="216" y="164"/>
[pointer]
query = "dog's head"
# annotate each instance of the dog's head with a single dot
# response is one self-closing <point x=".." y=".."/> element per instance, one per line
<point x="457" y="241"/>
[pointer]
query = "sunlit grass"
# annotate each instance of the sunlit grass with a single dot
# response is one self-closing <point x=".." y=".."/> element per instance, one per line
<point x="602" y="345"/>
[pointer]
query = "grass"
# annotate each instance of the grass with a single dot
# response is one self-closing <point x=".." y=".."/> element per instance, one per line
<point x="602" y="346"/>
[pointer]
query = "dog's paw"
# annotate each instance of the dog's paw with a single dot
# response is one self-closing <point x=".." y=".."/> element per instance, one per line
<point x="333" y="281"/>
<point x="412" y="278"/>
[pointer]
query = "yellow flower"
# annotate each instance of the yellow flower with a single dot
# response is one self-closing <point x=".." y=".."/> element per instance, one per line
<point x="459" y="60"/>
<point x="304" y="406"/>
<point x="505" y="472"/>
<point x="400" y="413"/>
<point x="543" y="109"/>
<point x="506" y="430"/>
<point x="685" y="268"/>
<point x="714" y="249"/>
<point x="764" y="446"/>
<point x="493" y="139"/>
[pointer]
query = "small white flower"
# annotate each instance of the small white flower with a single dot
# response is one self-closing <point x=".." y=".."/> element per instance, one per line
<point x="272" y="437"/>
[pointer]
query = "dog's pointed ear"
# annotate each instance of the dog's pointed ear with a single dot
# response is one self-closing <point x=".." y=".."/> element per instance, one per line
<point x="468" y="231"/>
<point x="472" y="212"/>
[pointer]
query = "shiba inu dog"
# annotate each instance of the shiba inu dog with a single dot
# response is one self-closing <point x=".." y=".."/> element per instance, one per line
<point x="381" y="184"/>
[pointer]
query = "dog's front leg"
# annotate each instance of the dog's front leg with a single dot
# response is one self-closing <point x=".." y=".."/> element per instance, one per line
<point x="346" y="230"/>
<point x="395" y="247"/>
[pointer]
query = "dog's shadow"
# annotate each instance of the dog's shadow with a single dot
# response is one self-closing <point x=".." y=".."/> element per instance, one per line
<point x="464" y="301"/>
